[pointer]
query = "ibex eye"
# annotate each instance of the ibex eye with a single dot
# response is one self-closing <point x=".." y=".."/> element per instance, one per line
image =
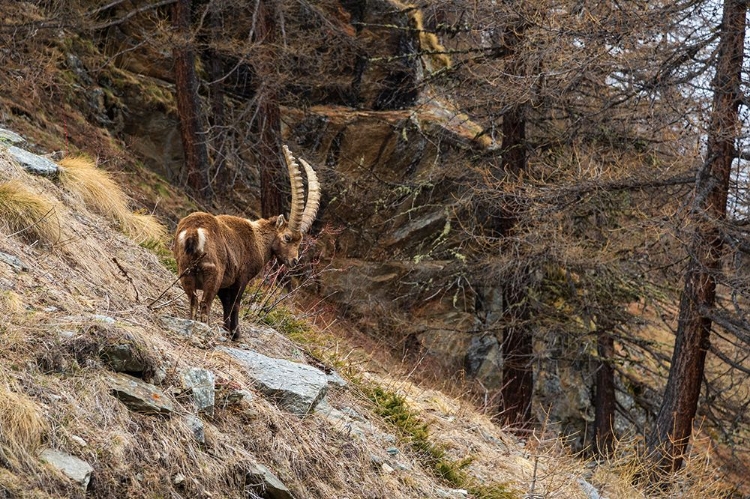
<point x="287" y="238"/>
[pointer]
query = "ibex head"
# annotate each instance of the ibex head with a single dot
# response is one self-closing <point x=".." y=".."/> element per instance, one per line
<point x="285" y="246"/>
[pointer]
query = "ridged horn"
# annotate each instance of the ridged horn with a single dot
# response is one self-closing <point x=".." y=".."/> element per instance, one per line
<point x="313" y="197"/>
<point x="298" y="191"/>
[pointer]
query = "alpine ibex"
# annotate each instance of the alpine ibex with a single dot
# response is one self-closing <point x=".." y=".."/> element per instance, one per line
<point x="221" y="254"/>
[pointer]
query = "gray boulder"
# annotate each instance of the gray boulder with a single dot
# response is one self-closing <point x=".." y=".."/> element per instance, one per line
<point x="296" y="387"/>
<point x="34" y="163"/>
<point x="10" y="137"/>
<point x="72" y="467"/>
<point x="138" y="395"/>
<point x="260" y="479"/>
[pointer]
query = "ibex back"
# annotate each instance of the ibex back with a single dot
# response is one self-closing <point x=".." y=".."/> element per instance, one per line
<point x="221" y="254"/>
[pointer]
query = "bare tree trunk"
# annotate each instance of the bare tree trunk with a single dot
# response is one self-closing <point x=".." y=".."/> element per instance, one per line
<point x="268" y="119"/>
<point x="220" y="178"/>
<point x="188" y="102"/>
<point x="518" y="354"/>
<point x="604" y="404"/>
<point x="517" y="347"/>
<point x="674" y="424"/>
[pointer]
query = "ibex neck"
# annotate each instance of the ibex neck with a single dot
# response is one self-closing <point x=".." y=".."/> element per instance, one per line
<point x="265" y="230"/>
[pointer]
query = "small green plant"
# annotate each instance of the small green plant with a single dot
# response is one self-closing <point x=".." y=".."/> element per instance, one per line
<point x="393" y="408"/>
<point x="285" y="322"/>
<point x="162" y="252"/>
<point x="413" y="430"/>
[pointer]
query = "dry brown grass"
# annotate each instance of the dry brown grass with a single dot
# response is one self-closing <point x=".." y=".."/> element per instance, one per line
<point x="28" y="214"/>
<point x="626" y="474"/>
<point x="98" y="190"/>
<point x="22" y="427"/>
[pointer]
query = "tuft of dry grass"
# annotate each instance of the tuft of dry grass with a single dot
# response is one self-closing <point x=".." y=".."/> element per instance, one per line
<point x="102" y="194"/>
<point x="22" y="427"/>
<point x="145" y="229"/>
<point x="627" y="473"/>
<point x="28" y="214"/>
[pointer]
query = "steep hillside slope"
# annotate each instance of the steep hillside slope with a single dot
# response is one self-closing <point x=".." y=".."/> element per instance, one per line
<point x="81" y="306"/>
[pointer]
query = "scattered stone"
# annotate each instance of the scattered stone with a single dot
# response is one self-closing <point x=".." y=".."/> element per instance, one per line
<point x="200" y="382"/>
<point x="386" y="468"/>
<point x="335" y="378"/>
<point x="392" y="451"/>
<point x="139" y="396"/>
<point x="159" y="375"/>
<point x="8" y="137"/>
<point x="14" y="262"/>
<point x="195" y="424"/>
<point x="199" y="333"/>
<point x="79" y="440"/>
<point x="260" y="479"/>
<point x="589" y="489"/>
<point x="33" y="163"/>
<point x="451" y="493"/>
<point x="103" y="318"/>
<point x="398" y="465"/>
<point x="72" y="467"/>
<point x="296" y="387"/>
<point x="352" y="414"/>
<point x="178" y="479"/>
<point x="124" y="357"/>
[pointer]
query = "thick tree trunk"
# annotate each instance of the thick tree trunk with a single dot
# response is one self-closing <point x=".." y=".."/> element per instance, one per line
<point x="517" y="351"/>
<point x="604" y="405"/>
<point x="267" y="123"/>
<point x="188" y="102"/>
<point x="674" y="423"/>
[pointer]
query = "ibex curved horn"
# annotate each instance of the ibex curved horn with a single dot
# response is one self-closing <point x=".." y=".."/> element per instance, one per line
<point x="313" y="198"/>
<point x="298" y="191"/>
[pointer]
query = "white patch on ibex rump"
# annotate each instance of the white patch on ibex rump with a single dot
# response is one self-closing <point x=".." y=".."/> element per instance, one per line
<point x="181" y="237"/>
<point x="201" y="239"/>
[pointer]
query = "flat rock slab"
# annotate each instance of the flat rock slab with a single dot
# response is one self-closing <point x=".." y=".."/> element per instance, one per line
<point x="266" y="483"/>
<point x="10" y="137"/>
<point x="14" y="262"/>
<point x="34" y="163"/>
<point x="138" y="395"/>
<point x="72" y="467"/>
<point x="296" y="387"/>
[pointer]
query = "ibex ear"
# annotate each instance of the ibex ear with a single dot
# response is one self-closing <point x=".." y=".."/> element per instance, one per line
<point x="280" y="222"/>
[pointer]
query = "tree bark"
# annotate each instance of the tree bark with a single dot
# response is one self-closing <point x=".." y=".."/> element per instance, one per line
<point x="267" y="123"/>
<point x="671" y="434"/>
<point x="188" y="102"/>
<point x="517" y="351"/>
<point x="517" y="347"/>
<point x="604" y="404"/>
<point x="220" y="181"/>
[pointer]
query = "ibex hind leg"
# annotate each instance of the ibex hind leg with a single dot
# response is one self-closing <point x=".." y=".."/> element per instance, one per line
<point x="226" y="296"/>
<point x="188" y="284"/>
<point x="230" y="302"/>
<point x="211" y="285"/>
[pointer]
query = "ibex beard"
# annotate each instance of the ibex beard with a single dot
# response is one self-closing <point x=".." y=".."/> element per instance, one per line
<point x="221" y="254"/>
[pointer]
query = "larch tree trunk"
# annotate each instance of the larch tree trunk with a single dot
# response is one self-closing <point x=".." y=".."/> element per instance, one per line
<point x="671" y="434"/>
<point x="517" y="346"/>
<point x="219" y="180"/>
<point x="188" y="102"/>
<point x="267" y="124"/>
<point x="604" y="401"/>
